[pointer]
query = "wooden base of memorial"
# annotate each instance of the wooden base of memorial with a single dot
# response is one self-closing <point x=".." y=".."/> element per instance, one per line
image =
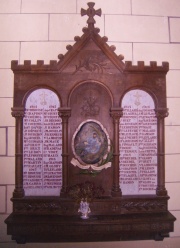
<point x="112" y="220"/>
<point x="89" y="117"/>
<point x="125" y="218"/>
<point x="27" y="228"/>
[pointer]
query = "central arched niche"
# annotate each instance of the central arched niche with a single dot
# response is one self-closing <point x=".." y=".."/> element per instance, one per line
<point x="138" y="144"/>
<point x="90" y="101"/>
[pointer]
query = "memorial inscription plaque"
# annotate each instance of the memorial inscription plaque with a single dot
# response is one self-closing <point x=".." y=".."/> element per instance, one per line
<point x="138" y="144"/>
<point x="42" y="144"/>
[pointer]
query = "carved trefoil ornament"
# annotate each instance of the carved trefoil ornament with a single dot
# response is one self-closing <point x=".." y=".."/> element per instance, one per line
<point x="90" y="106"/>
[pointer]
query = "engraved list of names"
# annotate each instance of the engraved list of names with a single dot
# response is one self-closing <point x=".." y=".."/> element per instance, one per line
<point x="138" y="144"/>
<point x="42" y="144"/>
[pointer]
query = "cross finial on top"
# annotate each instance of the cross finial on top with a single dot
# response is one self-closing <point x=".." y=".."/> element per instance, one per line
<point x="91" y="12"/>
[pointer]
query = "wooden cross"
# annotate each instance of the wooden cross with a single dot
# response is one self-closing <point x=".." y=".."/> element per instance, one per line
<point x="91" y="12"/>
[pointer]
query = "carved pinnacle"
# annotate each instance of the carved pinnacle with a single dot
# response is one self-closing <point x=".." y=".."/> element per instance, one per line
<point x="91" y="12"/>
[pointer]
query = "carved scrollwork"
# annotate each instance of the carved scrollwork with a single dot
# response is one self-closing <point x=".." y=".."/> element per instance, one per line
<point x="144" y="205"/>
<point x="42" y="207"/>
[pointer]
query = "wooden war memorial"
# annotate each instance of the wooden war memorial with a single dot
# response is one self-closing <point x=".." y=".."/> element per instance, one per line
<point x="89" y="117"/>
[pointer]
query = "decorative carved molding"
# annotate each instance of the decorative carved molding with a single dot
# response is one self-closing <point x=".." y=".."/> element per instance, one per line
<point x="129" y="67"/>
<point x="161" y="113"/>
<point x="144" y="205"/>
<point x="18" y="112"/>
<point x="116" y="113"/>
<point x="64" y="113"/>
<point x="161" y="190"/>
<point x="40" y="207"/>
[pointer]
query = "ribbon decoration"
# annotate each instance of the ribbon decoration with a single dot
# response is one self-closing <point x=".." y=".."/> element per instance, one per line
<point x="95" y="167"/>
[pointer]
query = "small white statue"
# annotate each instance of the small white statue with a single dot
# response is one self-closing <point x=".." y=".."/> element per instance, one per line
<point x="84" y="209"/>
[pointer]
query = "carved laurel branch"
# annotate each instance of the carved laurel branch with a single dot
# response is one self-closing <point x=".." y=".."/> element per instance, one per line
<point x="54" y="206"/>
<point x="147" y="205"/>
<point x="91" y="65"/>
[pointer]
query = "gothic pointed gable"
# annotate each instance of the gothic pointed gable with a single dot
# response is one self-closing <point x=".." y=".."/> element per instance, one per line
<point x="90" y="53"/>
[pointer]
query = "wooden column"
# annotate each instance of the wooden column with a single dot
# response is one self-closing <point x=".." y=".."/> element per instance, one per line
<point x="18" y="113"/>
<point x="116" y="113"/>
<point x="161" y="114"/>
<point x="64" y="113"/>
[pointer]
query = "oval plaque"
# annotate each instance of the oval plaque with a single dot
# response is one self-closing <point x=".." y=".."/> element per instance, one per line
<point x="90" y="142"/>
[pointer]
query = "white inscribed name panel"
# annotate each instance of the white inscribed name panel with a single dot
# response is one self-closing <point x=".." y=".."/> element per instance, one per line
<point x="42" y="144"/>
<point x="138" y="144"/>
